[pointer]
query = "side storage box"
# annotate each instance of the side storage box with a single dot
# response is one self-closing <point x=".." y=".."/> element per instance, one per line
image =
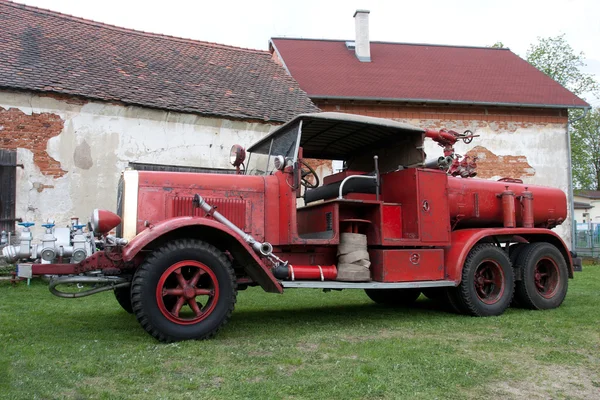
<point x="407" y="265"/>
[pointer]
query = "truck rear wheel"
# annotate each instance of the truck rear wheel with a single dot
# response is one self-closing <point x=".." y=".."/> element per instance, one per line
<point x="184" y="290"/>
<point x="393" y="297"/>
<point x="488" y="282"/>
<point x="513" y="253"/>
<point x="123" y="296"/>
<point x="544" y="279"/>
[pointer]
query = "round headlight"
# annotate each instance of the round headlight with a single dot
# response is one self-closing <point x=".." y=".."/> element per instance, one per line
<point x="279" y="163"/>
<point x="103" y="221"/>
<point x="237" y="155"/>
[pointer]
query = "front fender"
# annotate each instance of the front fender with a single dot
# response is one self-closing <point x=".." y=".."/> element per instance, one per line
<point x="150" y="234"/>
<point x="464" y="239"/>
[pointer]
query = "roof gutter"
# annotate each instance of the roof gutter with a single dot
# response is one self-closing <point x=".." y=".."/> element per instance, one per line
<point x="458" y="102"/>
<point x="572" y="198"/>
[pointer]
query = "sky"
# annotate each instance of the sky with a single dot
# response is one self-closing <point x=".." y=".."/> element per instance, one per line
<point x="516" y="23"/>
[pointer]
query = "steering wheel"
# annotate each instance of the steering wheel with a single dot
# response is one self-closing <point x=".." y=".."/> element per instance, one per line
<point x="304" y="175"/>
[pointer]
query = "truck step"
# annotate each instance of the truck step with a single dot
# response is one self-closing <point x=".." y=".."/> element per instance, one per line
<point x="365" y="285"/>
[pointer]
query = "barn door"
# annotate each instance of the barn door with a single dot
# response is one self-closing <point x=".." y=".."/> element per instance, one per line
<point x="8" y="177"/>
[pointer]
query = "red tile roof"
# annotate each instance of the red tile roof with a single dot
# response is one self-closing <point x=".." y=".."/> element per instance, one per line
<point x="419" y="72"/>
<point x="47" y="51"/>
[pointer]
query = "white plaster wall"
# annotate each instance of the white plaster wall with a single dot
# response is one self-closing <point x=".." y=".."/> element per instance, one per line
<point x="98" y="141"/>
<point x="544" y="146"/>
<point x="594" y="212"/>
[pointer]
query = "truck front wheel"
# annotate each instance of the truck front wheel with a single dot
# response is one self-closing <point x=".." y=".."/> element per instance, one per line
<point x="184" y="290"/>
<point x="123" y="296"/>
<point x="488" y="282"/>
<point x="544" y="278"/>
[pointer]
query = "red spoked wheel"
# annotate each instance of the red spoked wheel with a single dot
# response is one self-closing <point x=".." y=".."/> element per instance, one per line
<point x="544" y="277"/>
<point x="184" y="290"/>
<point x="187" y="292"/>
<point x="487" y="284"/>
<point x="489" y="281"/>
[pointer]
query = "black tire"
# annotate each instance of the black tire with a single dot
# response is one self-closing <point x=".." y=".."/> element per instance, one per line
<point x="488" y="281"/>
<point x="513" y="253"/>
<point x="123" y="296"/>
<point x="514" y="250"/>
<point x="393" y="297"/>
<point x="205" y="272"/>
<point x="451" y="300"/>
<point x="549" y="288"/>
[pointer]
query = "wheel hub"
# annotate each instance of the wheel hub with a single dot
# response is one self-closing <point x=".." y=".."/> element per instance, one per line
<point x="183" y="289"/>
<point x="489" y="281"/>
<point x="546" y="277"/>
<point x="189" y="292"/>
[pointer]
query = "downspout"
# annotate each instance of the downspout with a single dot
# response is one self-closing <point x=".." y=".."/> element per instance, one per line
<point x="571" y="199"/>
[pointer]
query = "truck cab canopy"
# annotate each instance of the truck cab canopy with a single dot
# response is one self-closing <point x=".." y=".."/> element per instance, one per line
<point x="354" y="139"/>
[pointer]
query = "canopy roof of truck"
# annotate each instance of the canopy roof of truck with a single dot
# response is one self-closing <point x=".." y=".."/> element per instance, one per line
<point x="340" y="136"/>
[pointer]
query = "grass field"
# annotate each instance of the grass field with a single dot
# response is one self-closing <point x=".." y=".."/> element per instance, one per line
<point x="303" y="344"/>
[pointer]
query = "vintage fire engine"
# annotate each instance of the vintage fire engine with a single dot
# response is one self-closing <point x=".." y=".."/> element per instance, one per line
<point x="391" y="223"/>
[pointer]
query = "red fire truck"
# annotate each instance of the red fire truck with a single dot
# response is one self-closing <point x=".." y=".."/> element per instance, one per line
<point x="391" y="223"/>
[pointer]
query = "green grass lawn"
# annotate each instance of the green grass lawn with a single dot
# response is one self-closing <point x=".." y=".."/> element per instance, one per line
<point x="303" y="344"/>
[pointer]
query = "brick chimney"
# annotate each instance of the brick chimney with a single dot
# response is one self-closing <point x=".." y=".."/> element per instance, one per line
<point x="362" y="47"/>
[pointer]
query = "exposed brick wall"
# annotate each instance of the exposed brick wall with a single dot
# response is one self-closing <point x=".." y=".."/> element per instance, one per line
<point x="490" y="165"/>
<point x="448" y="113"/>
<point x="32" y="132"/>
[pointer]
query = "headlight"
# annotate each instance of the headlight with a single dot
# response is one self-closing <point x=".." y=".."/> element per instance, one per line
<point x="103" y="221"/>
<point x="279" y="163"/>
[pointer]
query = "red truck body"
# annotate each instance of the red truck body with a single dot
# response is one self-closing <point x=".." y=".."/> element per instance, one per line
<point x="468" y="241"/>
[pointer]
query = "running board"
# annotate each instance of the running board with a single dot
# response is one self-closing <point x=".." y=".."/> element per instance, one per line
<point x="365" y="285"/>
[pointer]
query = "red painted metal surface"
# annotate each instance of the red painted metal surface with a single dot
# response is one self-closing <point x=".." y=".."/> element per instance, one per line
<point x="149" y="234"/>
<point x="340" y="176"/>
<point x="422" y="193"/>
<point x="527" y="204"/>
<point x="508" y="208"/>
<point x="407" y="265"/>
<point x="240" y="198"/>
<point x="234" y="209"/>
<point x="392" y="215"/>
<point x="312" y="272"/>
<point x="103" y="221"/>
<point x="475" y="203"/>
<point x="100" y="260"/>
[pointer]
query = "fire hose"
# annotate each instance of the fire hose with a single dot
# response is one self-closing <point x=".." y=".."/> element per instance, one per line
<point x="108" y="282"/>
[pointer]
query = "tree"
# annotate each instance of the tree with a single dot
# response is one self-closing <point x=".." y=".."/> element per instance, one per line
<point x="585" y="151"/>
<point x="557" y="59"/>
<point x="498" y="45"/>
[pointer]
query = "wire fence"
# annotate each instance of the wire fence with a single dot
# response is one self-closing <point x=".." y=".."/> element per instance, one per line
<point x="587" y="241"/>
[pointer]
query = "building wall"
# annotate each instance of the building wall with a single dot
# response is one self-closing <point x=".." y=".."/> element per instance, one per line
<point x="530" y="144"/>
<point x="593" y="213"/>
<point x="73" y="151"/>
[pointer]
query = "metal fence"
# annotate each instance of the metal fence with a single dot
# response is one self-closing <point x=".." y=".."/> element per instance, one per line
<point x="587" y="241"/>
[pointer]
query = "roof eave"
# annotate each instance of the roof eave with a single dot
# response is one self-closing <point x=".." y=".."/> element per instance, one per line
<point x="458" y="102"/>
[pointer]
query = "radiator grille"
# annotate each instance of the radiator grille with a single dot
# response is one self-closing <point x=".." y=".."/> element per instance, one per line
<point x="233" y="209"/>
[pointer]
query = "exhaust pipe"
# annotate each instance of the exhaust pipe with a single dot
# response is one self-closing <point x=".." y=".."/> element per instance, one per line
<point x="264" y="249"/>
